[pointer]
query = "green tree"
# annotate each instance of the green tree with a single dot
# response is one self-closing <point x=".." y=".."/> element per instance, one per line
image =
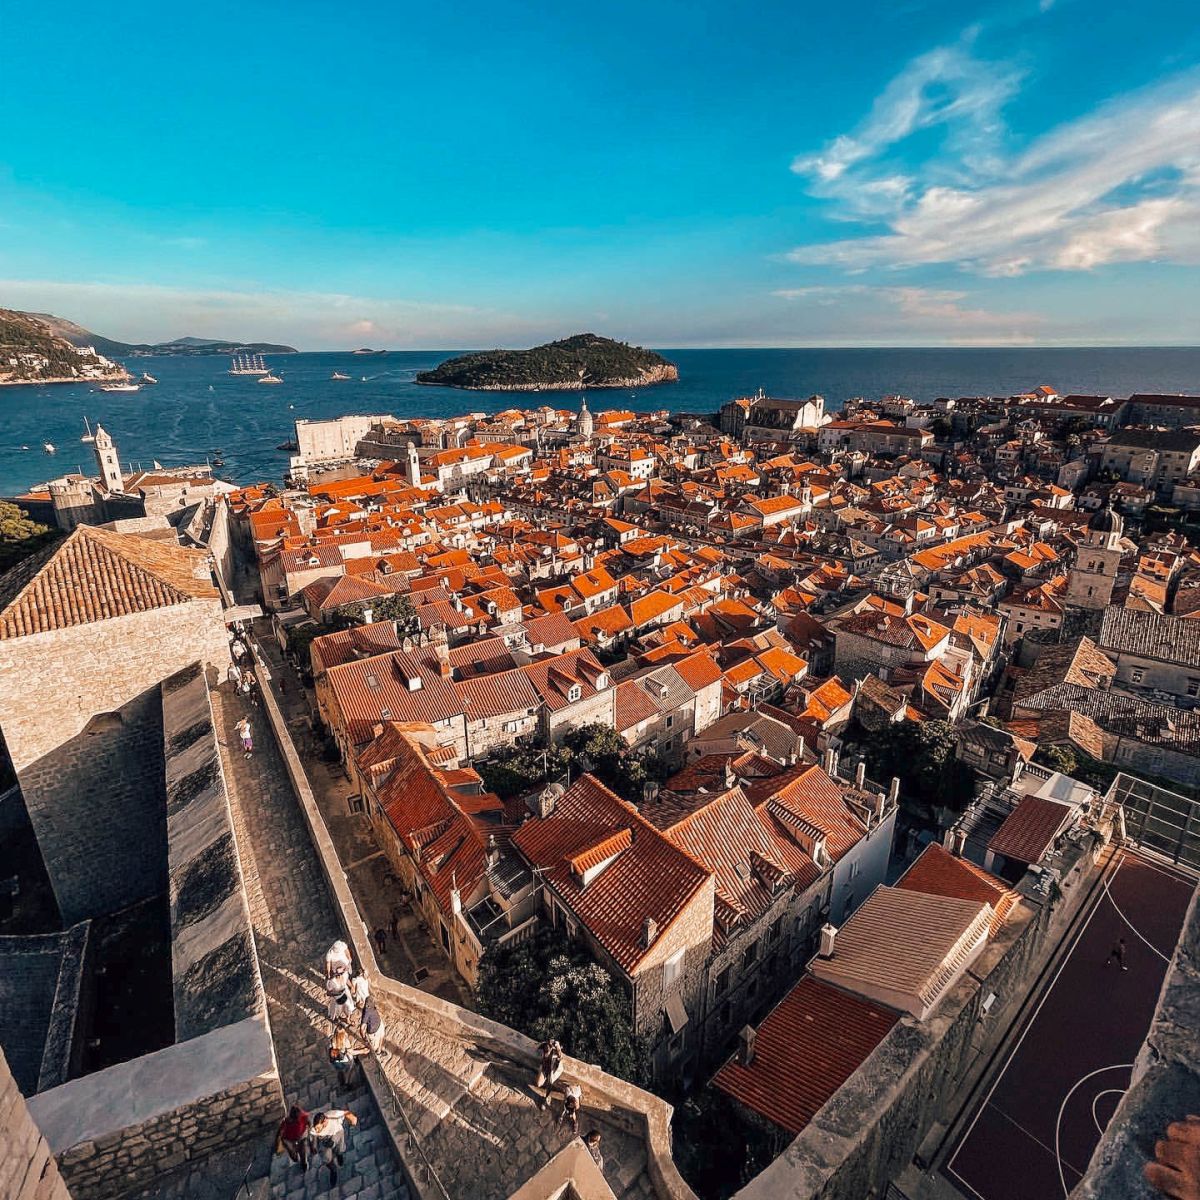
<point x="921" y="755"/>
<point x="20" y="536"/>
<point x="399" y="608"/>
<point x="1057" y="758"/>
<point x="516" y="770"/>
<point x="600" y="749"/>
<point x="548" y="987"/>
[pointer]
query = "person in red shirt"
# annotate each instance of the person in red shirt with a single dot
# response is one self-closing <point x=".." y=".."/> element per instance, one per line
<point x="293" y="1135"/>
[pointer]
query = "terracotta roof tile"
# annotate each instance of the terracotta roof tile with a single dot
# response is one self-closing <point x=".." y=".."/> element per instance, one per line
<point x="808" y="1046"/>
<point x="95" y="575"/>
<point x="1030" y="828"/>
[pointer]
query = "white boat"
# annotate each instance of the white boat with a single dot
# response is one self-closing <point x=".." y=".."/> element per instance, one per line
<point x="269" y="377"/>
<point x="48" y="447"/>
<point x="148" y="378"/>
<point x="249" y="364"/>
<point x="120" y="387"/>
<point x="339" y="375"/>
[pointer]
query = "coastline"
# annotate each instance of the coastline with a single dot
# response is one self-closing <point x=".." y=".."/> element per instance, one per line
<point x="122" y="378"/>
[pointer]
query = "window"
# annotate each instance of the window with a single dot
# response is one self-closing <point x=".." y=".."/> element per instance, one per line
<point x="445" y="936"/>
<point x="750" y="955"/>
<point x="574" y="692"/>
<point x="776" y="929"/>
<point x="721" y="983"/>
<point x="1193" y="687"/>
<point x="670" y="720"/>
<point x="1136" y="675"/>
<point x="672" y="968"/>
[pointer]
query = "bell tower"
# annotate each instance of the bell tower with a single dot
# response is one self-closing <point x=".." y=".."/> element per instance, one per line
<point x="414" y="465"/>
<point x="1091" y="580"/>
<point x="108" y="460"/>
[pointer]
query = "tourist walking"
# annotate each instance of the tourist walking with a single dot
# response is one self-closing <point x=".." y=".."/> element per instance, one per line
<point x="592" y="1142"/>
<point x="246" y="735"/>
<point x="381" y="940"/>
<point x="360" y="991"/>
<point x="395" y="922"/>
<point x="293" y="1136"/>
<point x="327" y="1138"/>
<point x="550" y="1067"/>
<point x="234" y="675"/>
<point x="1117" y="954"/>
<point x="341" y="1002"/>
<point x="570" y="1110"/>
<point x="370" y="1025"/>
<point x="341" y="1056"/>
<point x="338" y="960"/>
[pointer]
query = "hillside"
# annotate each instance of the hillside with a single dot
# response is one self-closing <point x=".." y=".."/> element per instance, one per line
<point x="32" y="352"/>
<point x="78" y="336"/>
<point x="582" y="361"/>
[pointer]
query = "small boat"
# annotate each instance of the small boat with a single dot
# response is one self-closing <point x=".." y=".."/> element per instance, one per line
<point x="290" y="445"/>
<point x="218" y="461"/>
<point x="24" y="447"/>
<point x="48" y="447"/>
<point x="148" y="378"/>
<point x="211" y="388"/>
<point x="339" y="375"/>
<point x="120" y="387"/>
<point x="270" y="377"/>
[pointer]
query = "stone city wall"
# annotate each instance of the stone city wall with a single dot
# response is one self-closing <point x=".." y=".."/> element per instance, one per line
<point x="871" y="1128"/>
<point x="634" y="1109"/>
<point x="27" y="1168"/>
<point x="216" y="977"/>
<point x="132" y="1122"/>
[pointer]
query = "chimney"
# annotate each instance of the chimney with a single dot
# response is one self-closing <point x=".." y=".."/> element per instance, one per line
<point x="730" y="777"/>
<point x="649" y="932"/>
<point x="376" y="730"/>
<point x="547" y="798"/>
<point x="894" y="791"/>
<point x="493" y="853"/>
<point x="955" y="841"/>
<point x="746" y="1039"/>
<point x="860" y="774"/>
<point x="443" y="657"/>
<point x="650" y="791"/>
<point x="828" y="937"/>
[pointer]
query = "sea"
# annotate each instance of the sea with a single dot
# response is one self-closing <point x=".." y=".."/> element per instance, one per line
<point x="198" y="411"/>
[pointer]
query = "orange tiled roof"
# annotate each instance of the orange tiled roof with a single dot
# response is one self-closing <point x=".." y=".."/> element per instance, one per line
<point x="939" y="873"/>
<point x="95" y="575"/>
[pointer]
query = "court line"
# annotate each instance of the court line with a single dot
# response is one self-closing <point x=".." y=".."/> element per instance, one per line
<point x="1062" y="1108"/>
<point x="1137" y="933"/>
<point x="1096" y="1100"/>
<point x="1028" y="1026"/>
<point x="1031" y="1136"/>
<point x="1170" y="870"/>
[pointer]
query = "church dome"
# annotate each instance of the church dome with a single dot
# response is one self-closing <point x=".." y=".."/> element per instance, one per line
<point x="1105" y="520"/>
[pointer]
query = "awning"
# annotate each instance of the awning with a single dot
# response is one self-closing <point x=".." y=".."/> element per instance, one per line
<point x="242" y="612"/>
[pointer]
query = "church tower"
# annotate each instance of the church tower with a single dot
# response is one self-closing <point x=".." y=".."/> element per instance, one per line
<point x="583" y="422"/>
<point x="109" y="461"/>
<point x="1091" y="580"/>
<point x="414" y="465"/>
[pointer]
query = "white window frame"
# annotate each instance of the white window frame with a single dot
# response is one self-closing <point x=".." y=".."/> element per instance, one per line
<point x="673" y="969"/>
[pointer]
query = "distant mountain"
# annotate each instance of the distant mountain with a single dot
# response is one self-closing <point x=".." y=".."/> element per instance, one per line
<point x="583" y="361"/>
<point x="78" y="336"/>
<point x="34" y="351"/>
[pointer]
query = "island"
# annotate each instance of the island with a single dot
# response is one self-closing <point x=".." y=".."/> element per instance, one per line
<point x="31" y="352"/>
<point x="572" y="364"/>
<point x="76" y="335"/>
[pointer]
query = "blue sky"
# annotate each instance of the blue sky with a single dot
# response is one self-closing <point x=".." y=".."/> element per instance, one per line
<point x="470" y="174"/>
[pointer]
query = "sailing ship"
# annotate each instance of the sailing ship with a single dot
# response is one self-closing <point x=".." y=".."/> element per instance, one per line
<point x="148" y="378"/>
<point x="339" y="375"/>
<point x="270" y="377"/>
<point x="249" y="364"/>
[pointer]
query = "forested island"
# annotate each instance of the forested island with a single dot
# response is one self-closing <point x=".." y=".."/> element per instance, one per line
<point x="186" y="346"/>
<point x="572" y="364"/>
<point x="32" y="352"/>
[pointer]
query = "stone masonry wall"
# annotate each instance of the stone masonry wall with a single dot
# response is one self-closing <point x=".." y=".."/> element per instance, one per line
<point x="97" y="806"/>
<point x="27" y="1168"/>
<point x="52" y="684"/>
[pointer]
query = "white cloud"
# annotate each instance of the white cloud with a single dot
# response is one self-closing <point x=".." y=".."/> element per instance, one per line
<point x="1120" y="184"/>
<point x="905" y="313"/>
